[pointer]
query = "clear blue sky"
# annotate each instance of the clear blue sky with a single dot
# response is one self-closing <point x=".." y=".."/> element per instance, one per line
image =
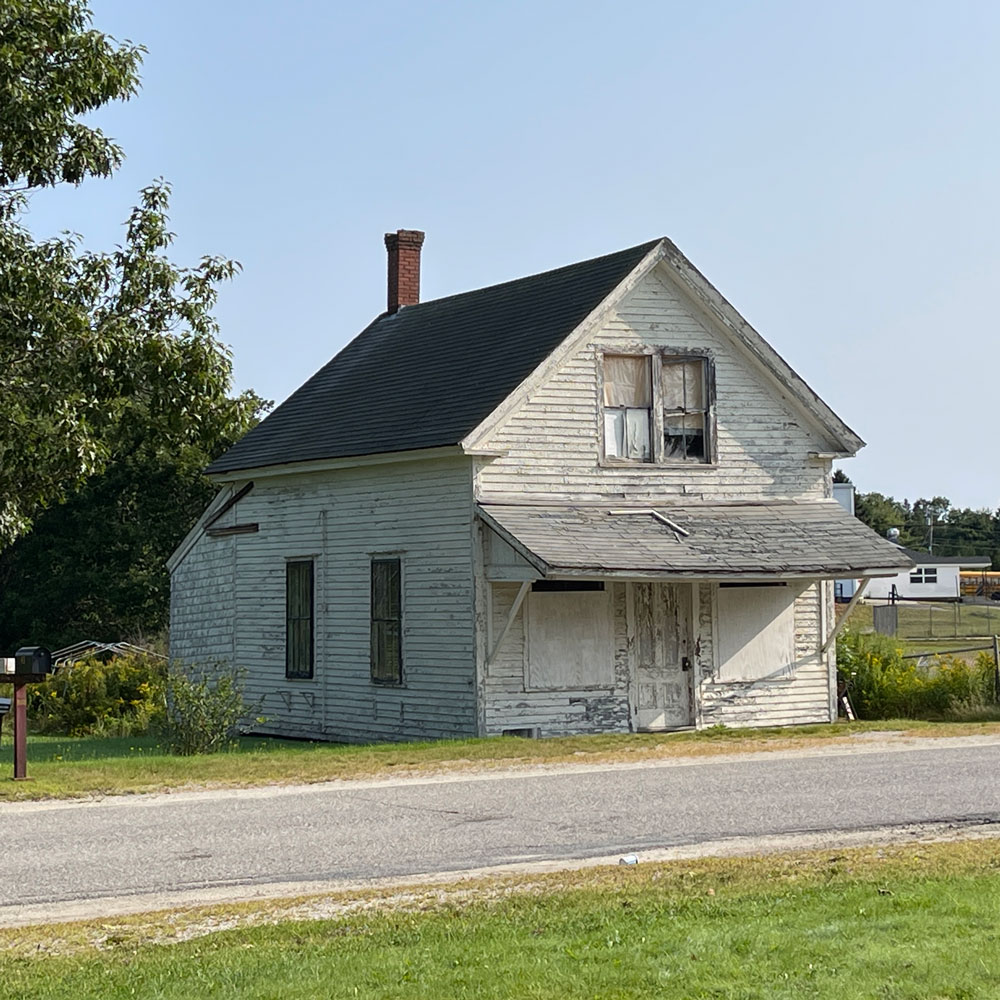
<point x="831" y="168"/>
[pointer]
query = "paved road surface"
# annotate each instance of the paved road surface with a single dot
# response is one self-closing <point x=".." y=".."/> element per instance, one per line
<point x="167" y="843"/>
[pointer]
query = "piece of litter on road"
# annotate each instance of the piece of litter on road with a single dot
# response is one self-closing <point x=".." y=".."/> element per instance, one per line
<point x="628" y="859"/>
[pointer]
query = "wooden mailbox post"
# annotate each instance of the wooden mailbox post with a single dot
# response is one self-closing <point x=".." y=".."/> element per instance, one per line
<point x="31" y="665"/>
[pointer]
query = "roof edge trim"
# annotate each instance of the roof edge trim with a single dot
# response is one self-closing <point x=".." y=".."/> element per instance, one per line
<point x="211" y="511"/>
<point x="329" y="464"/>
<point x="513" y="541"/>
<point x="719" y="308"/>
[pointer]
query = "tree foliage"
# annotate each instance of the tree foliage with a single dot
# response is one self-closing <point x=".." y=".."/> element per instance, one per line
<point x="114" y="391"/>
<point x="54" y="68"/>
<point x="932" y="522"/>
<point x="94" y="567"/>
<point x="88" y="339"/>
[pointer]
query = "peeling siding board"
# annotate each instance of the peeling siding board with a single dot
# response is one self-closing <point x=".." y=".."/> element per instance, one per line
<point x="420" y="511"/>
<point x="508" y="702"/>
<point x="550" y="443"/>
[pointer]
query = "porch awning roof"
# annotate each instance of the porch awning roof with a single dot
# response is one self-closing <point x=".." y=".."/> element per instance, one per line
<point x="816" y="539"/>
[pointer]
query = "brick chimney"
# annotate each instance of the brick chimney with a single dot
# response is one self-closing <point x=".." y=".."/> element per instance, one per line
<point x="404" y="267"/>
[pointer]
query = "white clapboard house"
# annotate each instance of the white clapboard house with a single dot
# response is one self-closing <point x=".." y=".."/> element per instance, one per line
<point x="588" y="500"/>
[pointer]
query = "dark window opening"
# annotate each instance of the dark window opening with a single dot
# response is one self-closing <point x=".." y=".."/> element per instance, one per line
<point x="386" y="622"/>
<point x="299" y="620"/>
<point x="685" y="409"/>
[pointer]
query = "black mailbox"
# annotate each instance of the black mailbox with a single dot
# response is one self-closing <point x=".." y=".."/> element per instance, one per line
<point x="30" y="660"/>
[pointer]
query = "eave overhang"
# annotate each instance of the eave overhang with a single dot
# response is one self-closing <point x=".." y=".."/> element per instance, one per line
<point x="784" y="540"/>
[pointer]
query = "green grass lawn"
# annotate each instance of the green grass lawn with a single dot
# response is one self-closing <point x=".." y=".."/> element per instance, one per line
<point x="63" y="767"/>
<point x="892" y="924"/>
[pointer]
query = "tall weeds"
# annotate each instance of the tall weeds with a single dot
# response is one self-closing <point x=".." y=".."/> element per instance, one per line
<point x="883" y="685"/>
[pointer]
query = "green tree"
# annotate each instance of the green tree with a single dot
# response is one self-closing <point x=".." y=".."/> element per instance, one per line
<point x="114" y="391"/>
<point x="880" y="512"/>
<point x="86" y="337"/>
<point x="94" y="567"/>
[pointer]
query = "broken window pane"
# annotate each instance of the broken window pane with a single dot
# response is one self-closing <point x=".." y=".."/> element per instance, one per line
<point x="683" y="386"/>
<point x="684" y="436"/>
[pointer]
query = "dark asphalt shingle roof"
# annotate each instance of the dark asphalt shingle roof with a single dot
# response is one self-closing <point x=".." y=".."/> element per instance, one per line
<point x="427" y="375"/>
<point x="927" y="559"/>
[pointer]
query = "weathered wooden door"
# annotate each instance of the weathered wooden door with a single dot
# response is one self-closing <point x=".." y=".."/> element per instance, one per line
<point x="661" y="624"/>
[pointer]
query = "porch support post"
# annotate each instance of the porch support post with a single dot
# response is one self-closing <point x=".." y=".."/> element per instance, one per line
<point x="858" y="594"/>
<point x="514" y="608"/>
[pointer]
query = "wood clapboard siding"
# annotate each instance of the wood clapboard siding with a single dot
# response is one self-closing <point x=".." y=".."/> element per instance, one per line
<point x="421" y="512"/>
<point x="800" y="698"/>
<point x="202" y="603"/>
<point x="551" y="442"/>
<point x="556" y="713"/>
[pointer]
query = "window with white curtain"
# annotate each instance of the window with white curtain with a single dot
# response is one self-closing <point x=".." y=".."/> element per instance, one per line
<point x="628" y="401"/>
<point x="637" y="389"/>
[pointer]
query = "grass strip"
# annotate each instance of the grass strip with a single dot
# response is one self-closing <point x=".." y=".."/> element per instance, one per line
<point x="921" y="921"/>
<point x="73" y="767"/>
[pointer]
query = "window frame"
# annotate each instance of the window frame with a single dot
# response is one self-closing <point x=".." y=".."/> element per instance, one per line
<point x="658" y="457"/>
<point x="384" y="680"/>
<point x="308" y="673"/>
<point x="923" y="574"/>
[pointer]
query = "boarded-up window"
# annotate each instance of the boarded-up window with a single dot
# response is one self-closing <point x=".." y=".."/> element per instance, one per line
<point x="570" y="640"/>
<point x="685" y="409"/>
<point x="386" y="622"/>
<point x="299" y="619"/>
<point x="756" y="632"/>
<point x="627" y="408"/>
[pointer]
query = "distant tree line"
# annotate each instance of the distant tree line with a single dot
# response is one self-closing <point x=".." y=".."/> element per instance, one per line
<point x="931" y="523"/>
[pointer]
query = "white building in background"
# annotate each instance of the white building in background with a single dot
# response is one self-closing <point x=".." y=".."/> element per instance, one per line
<point x="933" y="578"/>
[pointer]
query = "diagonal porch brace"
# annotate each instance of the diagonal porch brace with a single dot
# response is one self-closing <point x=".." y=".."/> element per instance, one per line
<point x="862" y="587"/>
<point x="514" y="608"/>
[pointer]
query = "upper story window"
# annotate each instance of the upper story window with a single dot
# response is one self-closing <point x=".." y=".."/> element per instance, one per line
<point x="657" y="409"/>
<point x="628" y="401"/>
<point x="685" y="409"/>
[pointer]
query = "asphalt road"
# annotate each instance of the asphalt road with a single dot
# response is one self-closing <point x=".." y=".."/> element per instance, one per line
<point x="169" y="843"/>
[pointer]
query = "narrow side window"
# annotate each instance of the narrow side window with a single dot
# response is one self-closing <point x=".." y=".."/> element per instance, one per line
<point x="386" y="622"/>
<point x="299" y="619"/>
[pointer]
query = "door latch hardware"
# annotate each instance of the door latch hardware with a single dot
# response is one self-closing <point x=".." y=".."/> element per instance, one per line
<point x="685" y="663"/>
